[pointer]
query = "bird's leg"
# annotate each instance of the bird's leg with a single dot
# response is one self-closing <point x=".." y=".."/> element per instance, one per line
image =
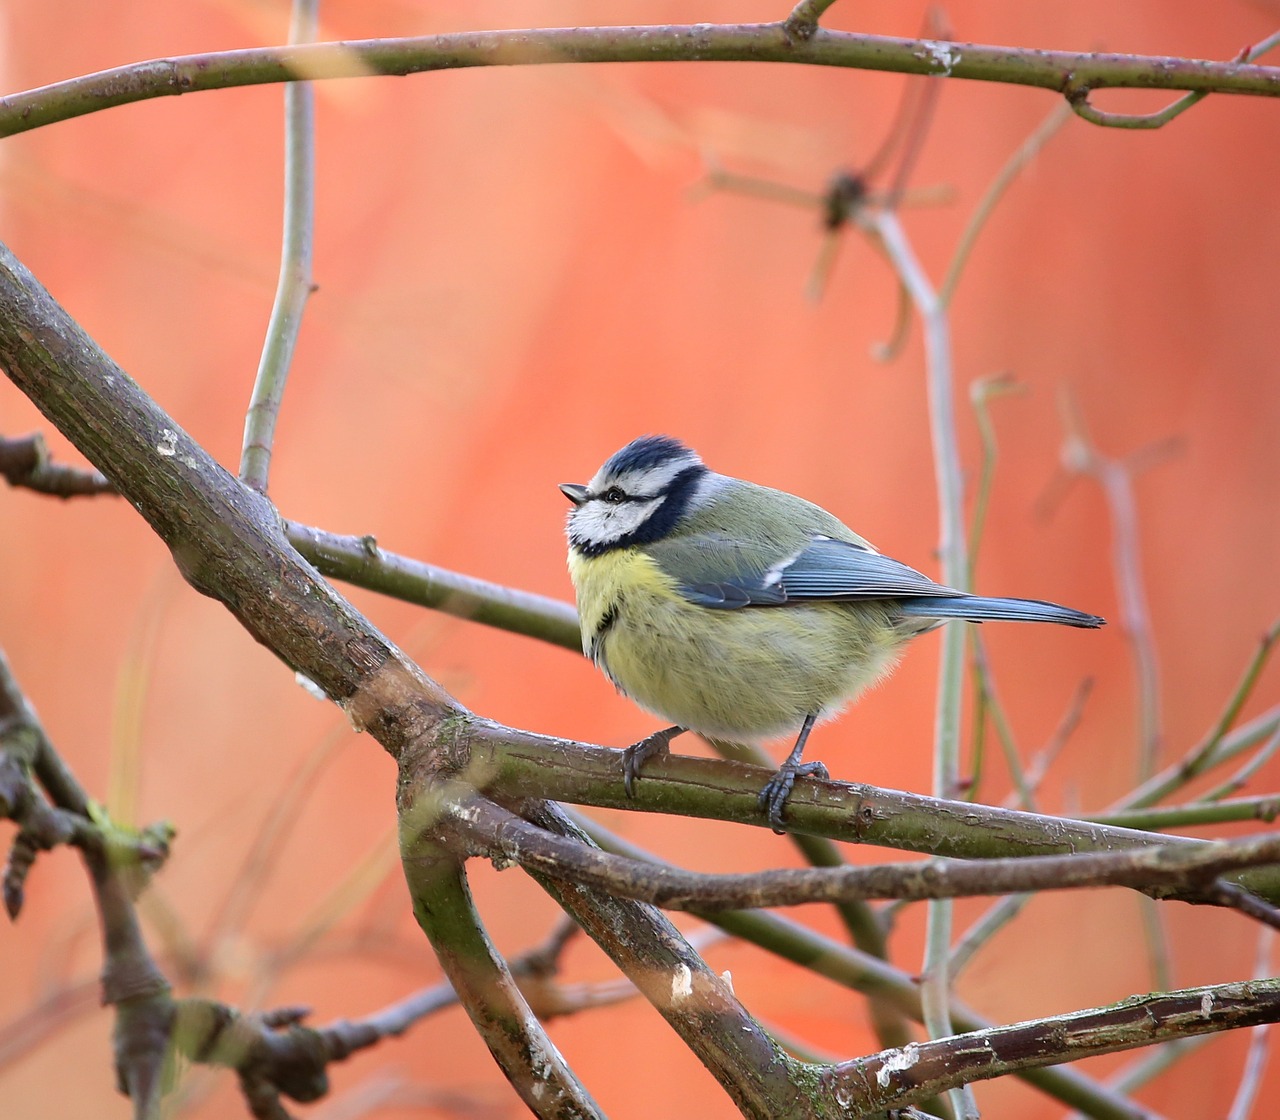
<point x="776" y="791"/>
<point x="636" y="755"/>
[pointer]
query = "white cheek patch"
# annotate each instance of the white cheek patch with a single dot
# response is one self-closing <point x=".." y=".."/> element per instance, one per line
<point x="600" y="522"/>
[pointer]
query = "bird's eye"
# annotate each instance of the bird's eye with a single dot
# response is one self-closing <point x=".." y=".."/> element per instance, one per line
<point x="614" y="495"/>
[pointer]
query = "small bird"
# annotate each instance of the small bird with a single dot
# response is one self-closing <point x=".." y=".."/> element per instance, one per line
<point x="741" y="612"/>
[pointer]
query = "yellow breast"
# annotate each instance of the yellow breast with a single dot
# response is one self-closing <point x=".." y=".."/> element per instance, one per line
<point x="747" y="674"/>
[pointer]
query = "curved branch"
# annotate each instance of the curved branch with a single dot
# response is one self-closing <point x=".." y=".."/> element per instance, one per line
<point x="1071" y="73"/>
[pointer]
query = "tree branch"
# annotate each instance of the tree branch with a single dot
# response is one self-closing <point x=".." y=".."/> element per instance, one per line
<point x="360" y="561"/>
<point x="1071" y="73"/>
<point x="700" y="1006"/>
<point x="863" y="972"/>
<point x="225" y="538"/>
<point x="1173" y="872"/>
<point x="923" y="1069"/>
<point x="514" y="764"/>
<point x="294" y="284"/>
<point x="517" y="1041"/>
<point x="25" y="461"/>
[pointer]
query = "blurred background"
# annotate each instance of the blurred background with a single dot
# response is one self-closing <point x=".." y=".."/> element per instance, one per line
<point x="517" y="274"/>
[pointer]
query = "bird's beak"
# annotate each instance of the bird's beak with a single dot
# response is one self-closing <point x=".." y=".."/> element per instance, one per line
<point x="574" y="491"/>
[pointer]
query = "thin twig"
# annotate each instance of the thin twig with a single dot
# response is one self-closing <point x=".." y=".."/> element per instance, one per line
<point x="1077" y="94"/>
<point x="803" y="20"/>
<point x="1074" y="72"/>
<point x="360" y="561"/>
<point x="1014" y="166"/>
<point x="132" y="982"/>
<point x="295" y="284"/>
<point x="1115" y="476"/>
<point x="760" y="1079"/>
<point x="25" y="462"/>
<point x="1217" y="746"/>
<point x="996" y="917"/>
<point x="1166" y="871"/>
<point x="515" y="764"/>
<point x="1256" y="1060"/>
<point x="908" y="1075"/>
<point x="442" y="904"/>
<point x="1241" y="777"/>
<point x="1265" y="808"/>
<point x="1044" y="758"/>
<point x="858" y="918"/>
<point x="953" y="556"/>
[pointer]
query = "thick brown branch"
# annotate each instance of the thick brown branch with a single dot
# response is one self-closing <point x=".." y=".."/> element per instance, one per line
<point x="699" y="1005"/>
<point x="228" y="542"/>
<point x="225" y="538"/>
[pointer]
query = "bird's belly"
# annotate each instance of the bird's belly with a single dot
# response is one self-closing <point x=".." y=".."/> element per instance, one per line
<point x="748" y="674"/>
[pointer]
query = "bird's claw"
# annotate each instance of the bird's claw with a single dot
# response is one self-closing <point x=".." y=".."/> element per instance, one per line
<point x="636" y="755"/>
<point x="778" y="788"/>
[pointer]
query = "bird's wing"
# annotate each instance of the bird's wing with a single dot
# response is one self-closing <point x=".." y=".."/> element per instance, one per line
<point x="725" y="574"/>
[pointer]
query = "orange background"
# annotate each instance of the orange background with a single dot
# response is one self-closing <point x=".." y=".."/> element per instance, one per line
<point x="515" y="278"/>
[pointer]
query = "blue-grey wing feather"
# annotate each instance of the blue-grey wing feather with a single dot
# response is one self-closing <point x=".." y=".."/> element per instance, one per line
<point x="838" y="570"/>
<point x="717" y="571"/>
<point x="724" y="574"/>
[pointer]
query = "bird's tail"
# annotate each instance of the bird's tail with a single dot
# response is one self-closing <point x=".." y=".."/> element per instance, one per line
<point x="977" y="608"/>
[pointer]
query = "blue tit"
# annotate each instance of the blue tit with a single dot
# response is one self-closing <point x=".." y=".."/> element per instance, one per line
<point x="740" y="612"/>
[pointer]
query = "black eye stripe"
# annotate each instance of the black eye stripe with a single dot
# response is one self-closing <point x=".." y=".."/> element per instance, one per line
<point x="668" y="506"/>
<point x="615" y="495"/>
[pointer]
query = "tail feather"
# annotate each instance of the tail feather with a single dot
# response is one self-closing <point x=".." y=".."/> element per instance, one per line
<point x="978" y="608"/>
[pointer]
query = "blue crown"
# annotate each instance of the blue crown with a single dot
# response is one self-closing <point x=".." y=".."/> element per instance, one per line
<point x="649" y="451"/>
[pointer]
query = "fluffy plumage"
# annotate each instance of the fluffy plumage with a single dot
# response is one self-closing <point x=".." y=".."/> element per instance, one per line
<point x="742" y="612"/>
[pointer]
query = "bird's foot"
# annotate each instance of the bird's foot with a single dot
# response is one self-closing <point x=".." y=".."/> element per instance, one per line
<point x="636" y="755"/>
<point x="778" y="788"/>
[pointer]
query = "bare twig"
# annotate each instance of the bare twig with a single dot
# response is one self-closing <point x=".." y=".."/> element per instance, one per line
<point x="987" y="926"/>
<point x="1115" y="476"/>
<point x="924" y="1068"/>
<point x="1256" y="1060"/>
<point x="131" y="980"/>
<point x="1173" y="871"/>
<point x="1066" y="72"/>
<point x="861" y="922"/>
<point x="803" y="20"/>
<point x="1044" y="758"/>
<point x="1241" y="777"/>
<point x="1077" y="94"/>
<point x="294" y="285"/>
<point x="1014" y="166"/>
<point x="1265" y="808"/>
<point x="952" y="551"/>
<point x="517" y="764"/>
<point x="1217" y="746"/>
<point x="517" y="1041"/>
<point x="760" y="1078"/>
<point x="360" y="561"/>
<point x="25" y="461"/>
